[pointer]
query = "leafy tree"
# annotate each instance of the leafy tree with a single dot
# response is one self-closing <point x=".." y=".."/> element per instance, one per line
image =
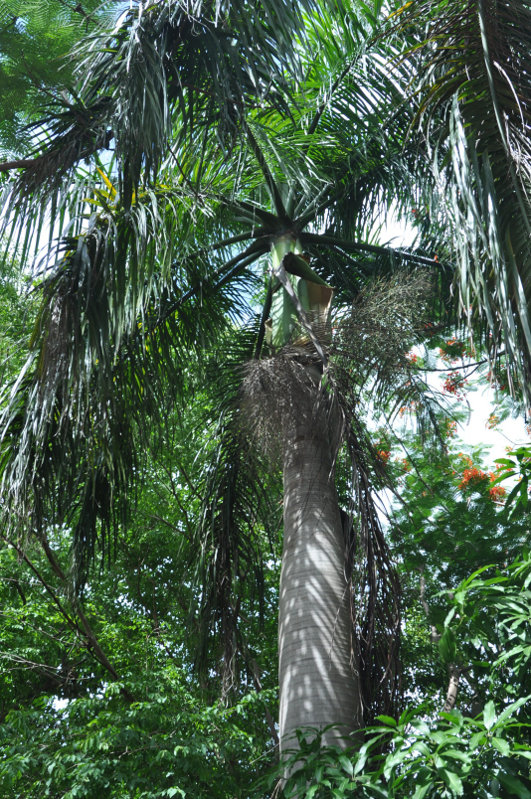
<point x="35" y="37"/>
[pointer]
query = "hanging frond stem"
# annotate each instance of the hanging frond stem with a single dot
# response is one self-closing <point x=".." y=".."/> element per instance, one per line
<point x="316" y="208"/>
<point x="314" y="211"/>
<point x="228" y="242"/>
<point x="236" y="264"/>
<point x="316" y="238"/>
<point x="253" y="252"/>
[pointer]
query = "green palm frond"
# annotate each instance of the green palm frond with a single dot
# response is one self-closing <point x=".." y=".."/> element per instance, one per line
<point x="474" y="104"/>
<point x="169" y="73"/>
<point x="343" y="156"/>
<point x="122" y="311"/>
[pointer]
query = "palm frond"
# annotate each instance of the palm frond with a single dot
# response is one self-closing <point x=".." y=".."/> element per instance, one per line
<point x="474" y="105"/>
<point x="238" y="519"/>
<point x="119" y="318"/>
<point x="343" y="156"/>
<point x="168" y="73"/>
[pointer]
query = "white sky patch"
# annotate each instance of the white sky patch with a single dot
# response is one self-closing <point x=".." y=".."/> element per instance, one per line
<point x="395" y="232"/>
<point x="476" y="431"/>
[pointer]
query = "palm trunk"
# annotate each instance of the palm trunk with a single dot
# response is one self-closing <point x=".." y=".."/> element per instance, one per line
<point x="318" y="683"/>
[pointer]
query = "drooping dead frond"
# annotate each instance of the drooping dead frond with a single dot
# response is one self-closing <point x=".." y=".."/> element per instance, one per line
<point x="372" y="338"/>
<point x="270" y="394"/>
<point x="237" y="524"/>
<point x="110" y="346"/>
<point x="375" y="586"/>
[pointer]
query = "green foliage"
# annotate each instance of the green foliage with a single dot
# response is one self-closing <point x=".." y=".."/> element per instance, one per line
<point x="99" y="695"/>
<point x="16" y="319"/>
<point x="446" y="754"/>
<point x="519" y="465"/>
<point x="415" y="757"/>
<point x="492" y="617"/>
<point x="36" y="39"/>
<point x="165" y="743"/>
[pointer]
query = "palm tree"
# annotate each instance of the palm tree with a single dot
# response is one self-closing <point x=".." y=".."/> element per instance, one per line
<point x="201" y="147"/>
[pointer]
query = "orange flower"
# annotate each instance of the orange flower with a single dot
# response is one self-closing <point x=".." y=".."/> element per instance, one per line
<point x="492" y="422"/>
<point x="496" y="493"/>
<point x="473" y="476"/>
<point x="451" y="428"/>
<point x="476" y="478"/>
<point x="453" y="384"/>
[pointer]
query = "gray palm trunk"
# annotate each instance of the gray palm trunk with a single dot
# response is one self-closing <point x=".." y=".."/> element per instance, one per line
<point x="317" y="673"/>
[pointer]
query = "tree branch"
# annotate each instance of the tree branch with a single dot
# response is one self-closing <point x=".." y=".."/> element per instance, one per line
<point x="49" y="590"/>
<point x="453" y="686"/>
<point x="21" y="163"/>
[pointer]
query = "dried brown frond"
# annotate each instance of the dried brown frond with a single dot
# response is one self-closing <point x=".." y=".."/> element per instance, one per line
<point x="372" y="338"/>
<point x="271" y="394"/>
